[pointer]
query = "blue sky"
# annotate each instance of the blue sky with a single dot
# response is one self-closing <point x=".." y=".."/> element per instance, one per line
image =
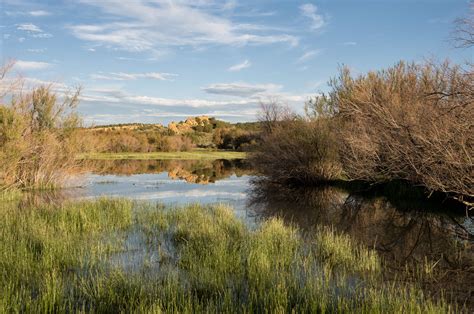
<point x="161" y="60"/>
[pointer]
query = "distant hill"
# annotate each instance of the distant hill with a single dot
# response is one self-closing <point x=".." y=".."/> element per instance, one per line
<point x="191" y="124"/>
<point x="127" y="126"/>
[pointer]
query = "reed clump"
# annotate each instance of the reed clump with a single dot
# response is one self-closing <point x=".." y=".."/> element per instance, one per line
<point x="72" y="257"/>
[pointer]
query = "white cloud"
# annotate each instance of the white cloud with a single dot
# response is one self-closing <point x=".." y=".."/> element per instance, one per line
<point x="42" y="35"/>
<point x="310" y="11"/>
<point x="39" y="13"/>
<point x="35" y="13"/>
<point x="144" y="25"/>
<point x="137" y="59"/>
<point x="33" y="30"/>
<point x="28" y="27"/>
<point x="240" y="66"/>
<point x="121" y="76"/>
<point x="36" y="50"/>
<point x="309" y="55"/>
<point x="112" y="104"/>
<point x="241" y="89"/>
<point x="31" y="65"/>
<point x="349" y="43"/>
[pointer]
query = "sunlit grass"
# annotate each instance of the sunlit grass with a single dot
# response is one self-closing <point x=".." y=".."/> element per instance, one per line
<point x="198" y="259"/>
<point x="191" y="155"/>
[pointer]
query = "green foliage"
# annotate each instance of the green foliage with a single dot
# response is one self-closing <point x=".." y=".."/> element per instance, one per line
<point x="234" y="139"/>
<point x="38" y="139"/>
<point x="79" y="257"/>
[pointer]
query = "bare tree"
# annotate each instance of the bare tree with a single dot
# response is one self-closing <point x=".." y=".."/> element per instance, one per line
<point x="8" y="85"/>
<point x="464" y="31"/>
<point x="272" y="112"/>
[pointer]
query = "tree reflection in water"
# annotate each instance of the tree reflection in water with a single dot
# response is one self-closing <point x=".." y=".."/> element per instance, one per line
<point x="417" y="239"/>
<point x="192" y="171"/>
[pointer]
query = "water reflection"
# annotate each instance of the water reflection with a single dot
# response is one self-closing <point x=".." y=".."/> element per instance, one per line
<point x="171" y="182"/>
<point x="192" y="171"/>
<point x="405" y="231"/>
<point x="411" y="234"/>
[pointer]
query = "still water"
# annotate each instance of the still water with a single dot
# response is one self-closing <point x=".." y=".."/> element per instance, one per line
<point x="172" y="183"/>
<point x="403" y="230"/>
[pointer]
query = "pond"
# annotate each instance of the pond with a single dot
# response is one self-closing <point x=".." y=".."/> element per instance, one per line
<point x="404" y="230"/>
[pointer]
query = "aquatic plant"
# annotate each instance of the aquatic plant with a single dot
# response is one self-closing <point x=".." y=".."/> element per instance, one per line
<point x="76" y="257"/>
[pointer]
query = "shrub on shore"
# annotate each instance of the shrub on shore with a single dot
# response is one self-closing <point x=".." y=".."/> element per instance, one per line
<point x="409" y="122"/>
<point x="297" y="151"/>
<point x="38" y="140"/>
<point x="134" y="141"/>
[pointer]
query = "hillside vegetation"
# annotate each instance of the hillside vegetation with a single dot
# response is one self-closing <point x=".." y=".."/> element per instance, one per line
<point x="194" y="132"/>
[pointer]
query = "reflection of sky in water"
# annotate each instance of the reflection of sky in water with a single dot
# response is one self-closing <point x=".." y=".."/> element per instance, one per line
<point x="161" y="188"/>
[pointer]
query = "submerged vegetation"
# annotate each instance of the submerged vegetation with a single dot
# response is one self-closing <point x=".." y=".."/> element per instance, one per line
<point x="76" y="257"/>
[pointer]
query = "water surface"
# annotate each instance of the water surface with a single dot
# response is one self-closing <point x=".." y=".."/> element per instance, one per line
<point x="406" y="231"/>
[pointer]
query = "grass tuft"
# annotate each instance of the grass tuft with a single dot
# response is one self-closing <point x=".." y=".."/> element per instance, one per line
<point x="63" y="258"/>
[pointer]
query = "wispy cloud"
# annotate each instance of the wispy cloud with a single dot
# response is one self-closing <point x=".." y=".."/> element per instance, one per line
<point x="240" y="66"/>
<point x="311" y="11"/>
<point x="309" y="55"/>
<point x="121" y="76"/>
<point x="29" y="27"/>
<point x="349" y="43"/>
<point x="39" y="13"/>
<point x="36" y="13"/>
<point x="42" y="35"/>
<point x="241" y="89"/>
<point x="33" y="30"/>
<point x="152" y="26"/>
<point x="36" y="50"/>
<point x="23" y="65"/>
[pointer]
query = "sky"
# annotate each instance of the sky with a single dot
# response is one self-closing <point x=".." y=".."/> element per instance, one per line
<point x="154" y="61"/>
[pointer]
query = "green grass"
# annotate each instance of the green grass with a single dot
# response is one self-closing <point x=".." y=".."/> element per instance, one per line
<point x="74" y="258"/>
<point x="191" y="155"/>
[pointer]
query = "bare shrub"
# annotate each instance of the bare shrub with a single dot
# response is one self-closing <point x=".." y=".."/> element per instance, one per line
<point x="178" y="143"/>
<point x="409" y="122"/>
<point x="297" y="150"/>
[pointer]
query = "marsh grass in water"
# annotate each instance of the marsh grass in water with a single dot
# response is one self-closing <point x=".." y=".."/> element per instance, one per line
<point x="61" y="259"/>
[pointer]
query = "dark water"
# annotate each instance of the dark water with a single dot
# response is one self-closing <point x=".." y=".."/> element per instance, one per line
<point x="407" y="231"/>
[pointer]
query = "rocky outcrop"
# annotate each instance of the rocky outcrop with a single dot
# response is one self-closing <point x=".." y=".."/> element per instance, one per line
<point x="188" y="125"/>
